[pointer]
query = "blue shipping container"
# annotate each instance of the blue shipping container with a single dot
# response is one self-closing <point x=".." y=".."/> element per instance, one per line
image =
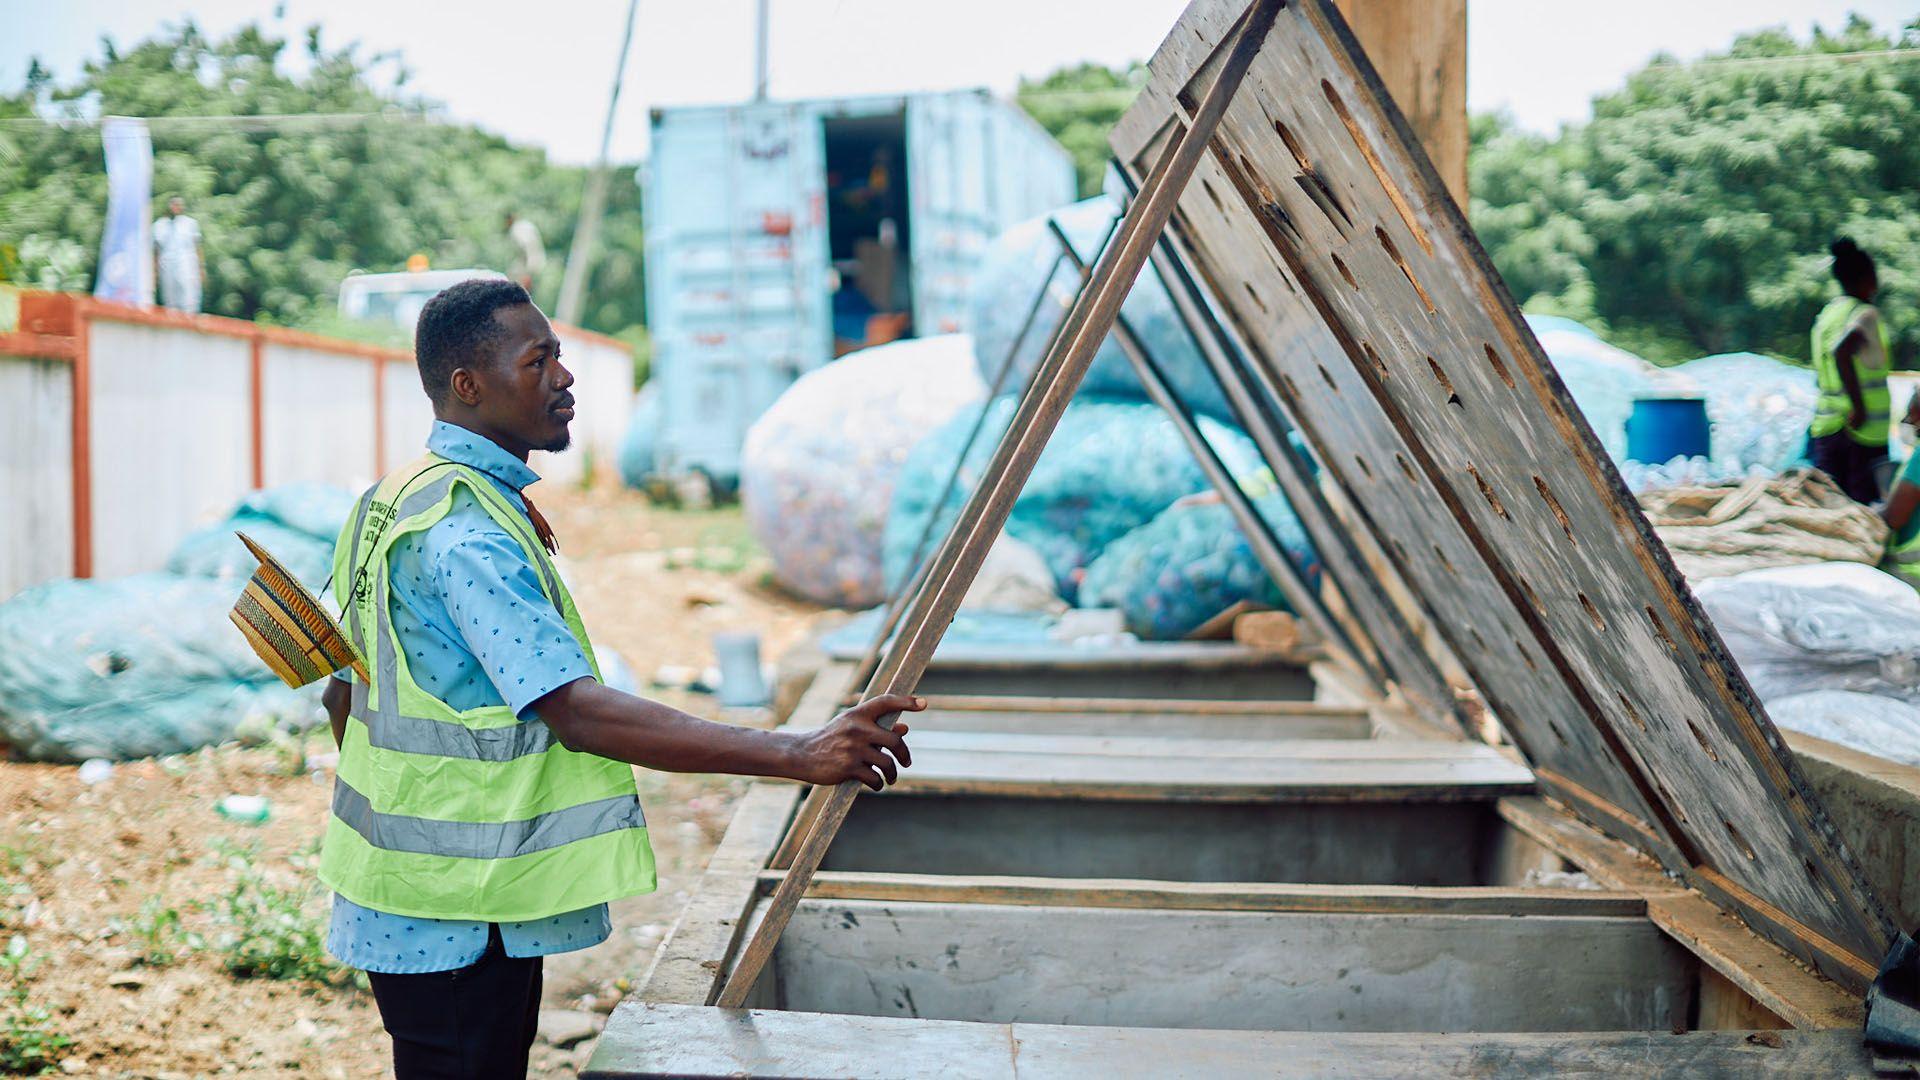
<point x="782" y="234"/>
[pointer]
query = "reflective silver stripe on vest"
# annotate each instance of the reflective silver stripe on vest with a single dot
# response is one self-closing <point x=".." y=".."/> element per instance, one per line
<point x="484" y="839"/>
<point x="449" y="738"/>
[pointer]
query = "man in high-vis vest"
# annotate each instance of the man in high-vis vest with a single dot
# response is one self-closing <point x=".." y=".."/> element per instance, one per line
<point x="485" y="809"/>
<point x="1848" y="437"/>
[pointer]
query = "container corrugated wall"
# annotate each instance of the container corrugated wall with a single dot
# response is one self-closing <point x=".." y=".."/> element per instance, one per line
<point x="737" y="248"/>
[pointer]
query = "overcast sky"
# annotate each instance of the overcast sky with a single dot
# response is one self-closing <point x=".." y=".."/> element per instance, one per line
<point x="538" y="73"/>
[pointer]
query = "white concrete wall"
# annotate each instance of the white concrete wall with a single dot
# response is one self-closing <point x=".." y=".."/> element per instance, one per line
<point x="603" y="389"/>
<point x="36" y="471"/>
<point x="409" y="415"/>
<point x="318" y="417"/>
<point x="172" y="438"/>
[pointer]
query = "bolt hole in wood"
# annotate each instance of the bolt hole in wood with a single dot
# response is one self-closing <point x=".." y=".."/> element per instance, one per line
<point x="1739" y="841"/>
<point x="1633" y="714"/>
<point x="1379" y="171"/>
<point x="1700" y="737"/>
<point x="1525" y="655"/>
<point x="1559" y="513"/>
<point x="1478" y="641"/>
<point x="1499" y="367"/>
<point x="1293" y="146"/>
<point x="1293" y="391"/>
<point x="1207" y="187"/>
<point x="1373" y="357"/>
<point x="1401" y="460"/>
<point x="1255" y="181"/>
<point x="1487" y="493"/>
<point x="1399" y="550"/>
<point x="1344" y="272"/>
<point x="1660" y="630"/>
<point x="1255" y="297"/>
<point x="1446" y="384"/>
<point x="1533" y="598"/>
<point x="1818" y="881"/>
<point x="1593" y="613"/>
<point x="1365" y="470"/>
<point x="1442" y="556"/>
<point x="1394" y="254"/>
<point x="1328" y="376"/>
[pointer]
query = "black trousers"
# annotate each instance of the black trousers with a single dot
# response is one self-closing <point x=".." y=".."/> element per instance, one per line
<point x="476" y="1023"/>
<point x="1851" y="465"/>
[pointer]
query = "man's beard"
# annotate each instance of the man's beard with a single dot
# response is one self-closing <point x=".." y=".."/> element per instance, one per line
<point x="557" y="445"/>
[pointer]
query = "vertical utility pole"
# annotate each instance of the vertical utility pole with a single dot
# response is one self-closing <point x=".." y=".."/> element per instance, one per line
<point x="760" y="50"/>
<point x="573" y="286"/>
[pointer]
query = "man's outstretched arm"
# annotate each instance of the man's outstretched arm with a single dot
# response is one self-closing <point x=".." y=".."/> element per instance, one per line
<point x="595" y="719"/>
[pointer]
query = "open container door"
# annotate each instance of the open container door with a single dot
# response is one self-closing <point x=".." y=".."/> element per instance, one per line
<point x="1332" y="248"/>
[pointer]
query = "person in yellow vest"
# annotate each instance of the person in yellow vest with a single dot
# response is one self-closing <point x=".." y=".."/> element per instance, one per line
<point x="485" y="810"/>
<point x="1848" y="437"/>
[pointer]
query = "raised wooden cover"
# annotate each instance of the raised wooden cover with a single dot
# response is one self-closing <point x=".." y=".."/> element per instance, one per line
<point x="1351" y="278"/>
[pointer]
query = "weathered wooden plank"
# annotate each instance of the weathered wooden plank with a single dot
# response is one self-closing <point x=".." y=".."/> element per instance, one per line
<point x="1329" y="243"/>
<point x="963" y="763"/>
<point x="1758" y="967"/>
<point x="645" y="1040"/>
<point x="1201" y="706"/>
<point x="1266" y="971"/>
<point x="1218" y="896"/>
<point x="1174" y="748"/>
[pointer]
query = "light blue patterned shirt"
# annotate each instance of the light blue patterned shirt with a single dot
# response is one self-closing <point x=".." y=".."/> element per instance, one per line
<point x="468" y="608"/>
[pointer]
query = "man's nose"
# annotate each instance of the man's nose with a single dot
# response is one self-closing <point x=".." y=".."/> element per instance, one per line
<point x="563" y="378"/>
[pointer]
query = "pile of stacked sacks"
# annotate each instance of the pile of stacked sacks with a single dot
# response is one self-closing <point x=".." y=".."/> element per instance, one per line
<point x="843" y="480"/>
<point x="132" y="667"/>
<point x="1759" y="407"/>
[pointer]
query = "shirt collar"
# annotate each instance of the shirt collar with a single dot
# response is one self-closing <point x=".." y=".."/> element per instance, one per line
<point x="468" y="448"/>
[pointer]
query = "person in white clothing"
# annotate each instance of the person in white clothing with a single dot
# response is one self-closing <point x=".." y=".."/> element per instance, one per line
<point x="529" y="252"/>
<point x="178" y="265"/>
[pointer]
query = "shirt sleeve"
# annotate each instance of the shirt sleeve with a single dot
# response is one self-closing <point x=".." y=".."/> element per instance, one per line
<point x="494" y="598"/>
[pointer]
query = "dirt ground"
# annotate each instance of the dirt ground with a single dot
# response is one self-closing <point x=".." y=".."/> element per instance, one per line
<point x="100" y="882"/>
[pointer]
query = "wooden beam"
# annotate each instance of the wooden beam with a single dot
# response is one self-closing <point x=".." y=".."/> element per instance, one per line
<point x="967" y="545"/>
<point x="644" y="1040"/>
<point x="1419" y="47"/>
<point x="1215" y="896"/>
<point x="1763" y="970"/>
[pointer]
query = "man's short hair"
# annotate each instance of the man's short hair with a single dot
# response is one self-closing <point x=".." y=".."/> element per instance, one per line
<point x="456" y="324"/>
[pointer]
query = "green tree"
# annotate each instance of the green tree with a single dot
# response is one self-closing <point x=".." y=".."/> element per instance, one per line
<point x="1078" y="106"/>
<point x="1692" y="213"/>
<point x="296" y="179"/>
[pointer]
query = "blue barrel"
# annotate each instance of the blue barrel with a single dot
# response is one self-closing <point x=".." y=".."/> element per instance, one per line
<point x="1664" y="428"/>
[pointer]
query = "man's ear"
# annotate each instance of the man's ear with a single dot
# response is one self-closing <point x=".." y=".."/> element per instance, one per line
<point x="464" y="387"/>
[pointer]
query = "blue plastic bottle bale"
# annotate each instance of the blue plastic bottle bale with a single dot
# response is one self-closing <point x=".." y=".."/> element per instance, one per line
<point x="1664" y="428"/>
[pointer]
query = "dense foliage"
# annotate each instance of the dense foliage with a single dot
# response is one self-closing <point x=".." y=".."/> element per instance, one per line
<point x="300" y="166"/>
<point x="1692" y="213"/>
<point x="1078" y="106"/>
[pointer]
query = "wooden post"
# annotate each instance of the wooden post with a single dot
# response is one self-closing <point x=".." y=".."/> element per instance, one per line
<point x="991" y="502"/>
<point x="256" y="402"/>
<point x="1419" y="47"/>
<point x="82" y="444"/>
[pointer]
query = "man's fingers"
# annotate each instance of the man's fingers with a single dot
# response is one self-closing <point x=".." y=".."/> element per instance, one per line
<point x="872" y="779"/>
<point x="879" y="760"/>
<point x="874" y="708"/>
